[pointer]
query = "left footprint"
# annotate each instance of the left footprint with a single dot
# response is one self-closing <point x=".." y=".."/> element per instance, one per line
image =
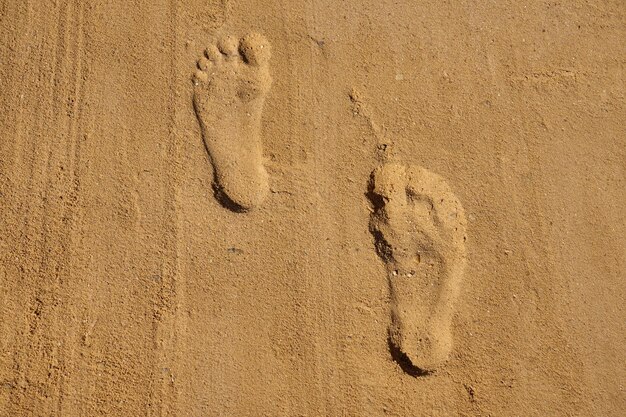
<point x="230" y="87"/>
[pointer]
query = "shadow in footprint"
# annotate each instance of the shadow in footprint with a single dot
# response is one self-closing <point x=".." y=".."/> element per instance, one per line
<point x="383" y="249"/>
<point x="404" y="362"/>
<point x="225" y="201"/>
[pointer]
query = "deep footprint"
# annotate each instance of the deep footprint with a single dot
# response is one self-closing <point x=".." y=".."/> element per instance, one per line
<point x="230" y="87"/>
<point x="420" y="230"/>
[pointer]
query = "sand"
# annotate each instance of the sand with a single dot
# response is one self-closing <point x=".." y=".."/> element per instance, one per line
<point x="254" y="208"/>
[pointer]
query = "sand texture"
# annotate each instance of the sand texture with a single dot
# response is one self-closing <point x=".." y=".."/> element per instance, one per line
<point x="312" y="208"/>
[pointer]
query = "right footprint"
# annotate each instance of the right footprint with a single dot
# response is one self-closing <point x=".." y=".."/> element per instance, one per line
<point x="420" y="230"/>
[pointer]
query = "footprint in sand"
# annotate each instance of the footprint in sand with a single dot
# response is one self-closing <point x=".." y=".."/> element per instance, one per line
<point x="230" y="87"/>
<point x="419" y="228"/>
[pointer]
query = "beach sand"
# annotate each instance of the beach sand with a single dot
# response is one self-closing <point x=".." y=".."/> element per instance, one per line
<point x="312" y="208"/>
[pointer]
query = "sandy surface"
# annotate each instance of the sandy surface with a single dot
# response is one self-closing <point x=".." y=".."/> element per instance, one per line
<point x="128" y="289"/>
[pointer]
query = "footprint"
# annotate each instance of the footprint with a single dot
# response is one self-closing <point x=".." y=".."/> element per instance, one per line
<point x="230" y="87"/>
<point x="419" y="228"/>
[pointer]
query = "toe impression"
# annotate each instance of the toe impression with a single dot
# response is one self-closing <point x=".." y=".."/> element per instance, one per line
<point x="255" y="49"/>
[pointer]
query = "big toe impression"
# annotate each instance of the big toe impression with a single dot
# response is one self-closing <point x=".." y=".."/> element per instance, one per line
<point x="255" y="49"/>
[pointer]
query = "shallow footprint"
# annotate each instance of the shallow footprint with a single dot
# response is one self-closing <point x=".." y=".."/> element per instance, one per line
<point x="420" y="230"/>
<point x="230" y="87"/>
